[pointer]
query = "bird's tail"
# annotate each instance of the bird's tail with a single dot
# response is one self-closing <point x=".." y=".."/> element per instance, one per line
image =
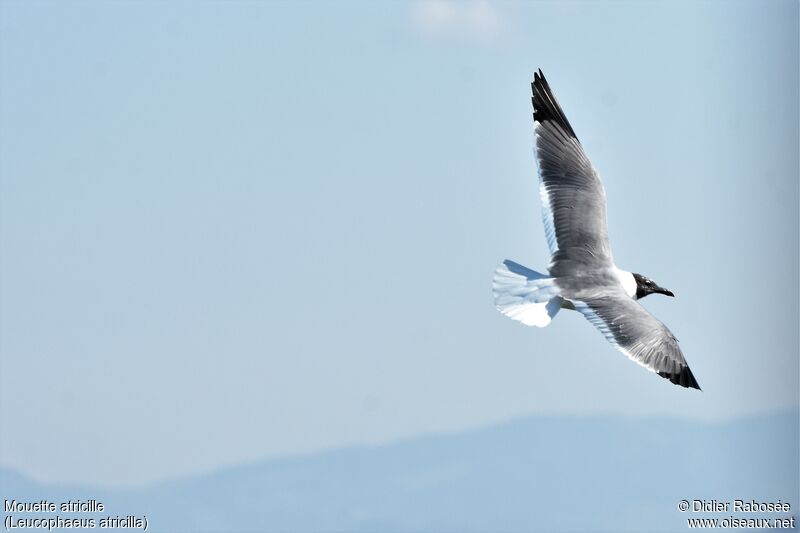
<point x="525" y="295"/>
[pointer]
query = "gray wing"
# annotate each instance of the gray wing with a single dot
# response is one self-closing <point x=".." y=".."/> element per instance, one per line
<point x="638" y="334"/>
<point x="573" y="199"/>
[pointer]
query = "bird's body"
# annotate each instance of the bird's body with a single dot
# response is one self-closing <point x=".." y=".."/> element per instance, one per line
<point x="582" y="274"/>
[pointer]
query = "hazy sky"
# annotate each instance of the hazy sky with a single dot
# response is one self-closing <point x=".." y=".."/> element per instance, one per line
<point x="232" y="230"/>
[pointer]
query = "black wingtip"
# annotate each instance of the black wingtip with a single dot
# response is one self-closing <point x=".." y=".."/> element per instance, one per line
<point x="545" y="105"/>
<point x="684" y="378"/>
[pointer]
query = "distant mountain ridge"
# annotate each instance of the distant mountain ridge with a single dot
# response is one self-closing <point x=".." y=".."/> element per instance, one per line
<point x="590" y="473"/>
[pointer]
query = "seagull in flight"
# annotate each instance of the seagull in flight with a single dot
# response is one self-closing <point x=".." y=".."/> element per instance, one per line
<point x="582" y="274"/>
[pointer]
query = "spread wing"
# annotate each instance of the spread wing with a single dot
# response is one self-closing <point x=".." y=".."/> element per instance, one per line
<point x="638" y="334"/>
<point x="573" y="199"/>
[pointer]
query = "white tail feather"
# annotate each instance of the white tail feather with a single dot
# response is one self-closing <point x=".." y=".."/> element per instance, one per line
<point x="525" y="295"/>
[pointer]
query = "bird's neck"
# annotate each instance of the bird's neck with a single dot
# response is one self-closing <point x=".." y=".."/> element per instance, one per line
<point x="627" y="281"/>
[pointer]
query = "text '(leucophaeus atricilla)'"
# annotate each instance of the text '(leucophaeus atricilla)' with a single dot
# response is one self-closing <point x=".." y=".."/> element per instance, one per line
<point x="582" y="273"/>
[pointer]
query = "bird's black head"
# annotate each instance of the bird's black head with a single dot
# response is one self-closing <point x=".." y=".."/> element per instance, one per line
<point x="645" y="286"/>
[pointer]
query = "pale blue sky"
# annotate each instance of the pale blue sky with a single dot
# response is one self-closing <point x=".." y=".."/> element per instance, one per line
<point x="235" y="230"/>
